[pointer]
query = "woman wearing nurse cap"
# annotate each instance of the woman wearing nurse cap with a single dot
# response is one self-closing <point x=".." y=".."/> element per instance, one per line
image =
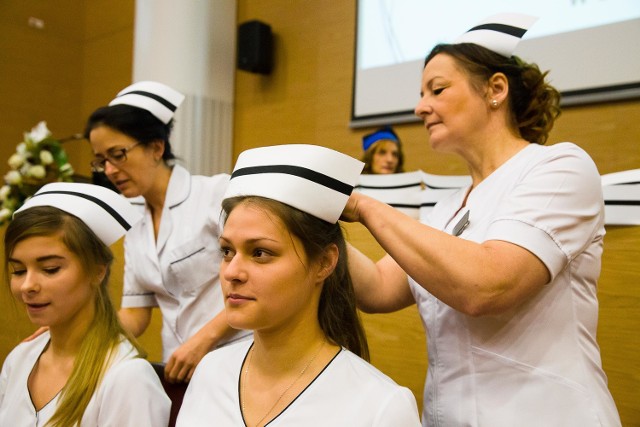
<point x="284" y="275"/>
<point x="504" y="272"/>
<point x="85" y="370"/>
<point x="172" y="255"/>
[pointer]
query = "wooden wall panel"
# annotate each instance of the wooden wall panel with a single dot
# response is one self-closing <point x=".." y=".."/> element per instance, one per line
<point x="107" y="63"/>
<point x="104" y="18"/>
<point x="39" y="69"/>
<point x="619" y="323"/>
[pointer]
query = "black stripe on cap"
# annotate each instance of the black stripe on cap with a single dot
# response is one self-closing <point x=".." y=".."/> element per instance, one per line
<point x="622" y="202"/>
<point x="388" y="187"/>
<point x="123" y="222"/>
<point x="403" y="206"/>
<point x="501" y="28"/>
<point x="439" y="187"/>
<point x="158" y="98"/>
<point x="298" y="171"/>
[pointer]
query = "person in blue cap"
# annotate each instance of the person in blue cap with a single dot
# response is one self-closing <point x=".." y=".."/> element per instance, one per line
<point x="382" y="152"/>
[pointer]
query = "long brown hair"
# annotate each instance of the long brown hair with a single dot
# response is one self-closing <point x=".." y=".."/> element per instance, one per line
<point x="105" y="332"/>
<point x="337" y="312"/>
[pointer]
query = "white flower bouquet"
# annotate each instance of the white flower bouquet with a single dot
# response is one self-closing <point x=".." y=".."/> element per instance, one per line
<point x="38" y="160"/>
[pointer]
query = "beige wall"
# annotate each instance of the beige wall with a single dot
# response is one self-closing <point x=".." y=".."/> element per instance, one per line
<point x="39" y="69"/>
<point x="62" y="75"/>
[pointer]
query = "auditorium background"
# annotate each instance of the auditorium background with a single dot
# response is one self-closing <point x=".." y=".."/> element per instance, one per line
<point x="82" y="56"/>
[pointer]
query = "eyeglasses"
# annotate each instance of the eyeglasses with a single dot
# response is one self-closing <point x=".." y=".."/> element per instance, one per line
<point x="115" y="157"/>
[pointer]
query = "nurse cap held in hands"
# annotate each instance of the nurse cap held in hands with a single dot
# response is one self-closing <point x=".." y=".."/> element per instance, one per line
<point x="159" y="99"/>
<point x="311" y="178"/>
<point x="500" y="33"/>
<point x="108" y="214"/>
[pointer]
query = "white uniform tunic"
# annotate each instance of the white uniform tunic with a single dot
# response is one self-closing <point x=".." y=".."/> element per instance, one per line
<point x="180" y="271"/>
<point x="348" y="392"/>
<point x="537" y="364"/>
<point x="130" y="394"/>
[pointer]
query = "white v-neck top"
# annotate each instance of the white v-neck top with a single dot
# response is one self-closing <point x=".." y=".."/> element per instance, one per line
<point x="348" y="392"/>
<point x="130" y="394"/>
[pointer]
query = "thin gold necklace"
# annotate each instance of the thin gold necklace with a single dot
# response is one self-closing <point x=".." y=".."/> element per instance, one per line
<point x="246" y="375"/>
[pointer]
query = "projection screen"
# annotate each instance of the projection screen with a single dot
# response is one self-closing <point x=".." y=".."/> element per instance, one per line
<point x="590" y="48"/>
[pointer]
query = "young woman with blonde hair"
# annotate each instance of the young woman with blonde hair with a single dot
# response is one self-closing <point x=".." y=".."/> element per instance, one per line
<point x="85" y="370"/>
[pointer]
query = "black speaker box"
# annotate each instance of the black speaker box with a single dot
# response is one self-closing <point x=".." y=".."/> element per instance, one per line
<point x="255" y="47"/>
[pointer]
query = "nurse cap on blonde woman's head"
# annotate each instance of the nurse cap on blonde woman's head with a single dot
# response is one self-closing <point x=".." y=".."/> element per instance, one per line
<point x="313" y="179"/>
<point x="105" y="212"/>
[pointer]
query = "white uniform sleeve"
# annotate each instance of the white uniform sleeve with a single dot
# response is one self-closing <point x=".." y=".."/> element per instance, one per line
<point x="7" y="366"/>
<point x="131" y="395"/>
<point x="399" y="410"/>
<point x="217" y="186"/>
<point x="540" y="214"/>
<point x="3" y="382"/>
<point x="133" y="295"/>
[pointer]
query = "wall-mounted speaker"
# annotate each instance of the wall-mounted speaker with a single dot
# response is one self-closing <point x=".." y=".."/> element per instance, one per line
<point x="255" y="47"/>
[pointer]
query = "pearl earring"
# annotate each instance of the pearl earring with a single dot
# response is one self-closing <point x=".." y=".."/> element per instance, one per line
<point x="494" y="103"/>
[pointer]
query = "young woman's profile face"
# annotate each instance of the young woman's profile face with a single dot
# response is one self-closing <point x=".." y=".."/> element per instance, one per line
<point x="267" y="280"/>
<point x="52" y="284"/>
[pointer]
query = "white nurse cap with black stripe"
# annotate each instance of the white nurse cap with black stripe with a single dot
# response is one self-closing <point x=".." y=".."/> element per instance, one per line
<point x="157" y="98"/>
<point x="500" y="33"/>
<point x="314" y="179"/>
<point x="108" y="214"/>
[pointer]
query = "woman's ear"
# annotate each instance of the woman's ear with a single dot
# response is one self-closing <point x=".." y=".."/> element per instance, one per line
<point x="101" y="272"/>
<point x="328" y="261"/>
<point x="498" y="89"/>
<point x="157" y="147"/>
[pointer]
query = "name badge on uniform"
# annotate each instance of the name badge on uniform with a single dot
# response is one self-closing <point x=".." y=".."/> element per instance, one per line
<point x="461" y="225"/>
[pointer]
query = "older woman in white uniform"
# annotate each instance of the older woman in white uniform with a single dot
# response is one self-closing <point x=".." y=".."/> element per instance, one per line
<point x="84" y="370"/>
<point x="284" y="275"/>
<point x="504" y="272"/>
<point x="171" y="256"/>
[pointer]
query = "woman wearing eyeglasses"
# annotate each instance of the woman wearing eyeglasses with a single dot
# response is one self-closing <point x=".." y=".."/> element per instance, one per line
<point x="172" y="256"/>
